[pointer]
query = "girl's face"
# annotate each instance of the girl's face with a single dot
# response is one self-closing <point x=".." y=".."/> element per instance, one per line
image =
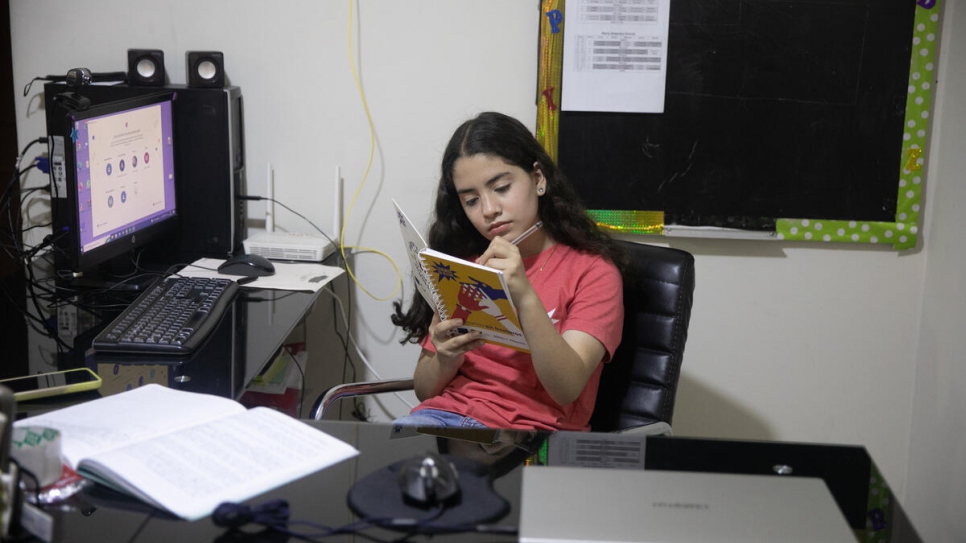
<point x="500" y="199"/>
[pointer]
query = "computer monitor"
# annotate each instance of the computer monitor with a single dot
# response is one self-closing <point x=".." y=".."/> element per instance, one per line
<point x="113" y="181"/>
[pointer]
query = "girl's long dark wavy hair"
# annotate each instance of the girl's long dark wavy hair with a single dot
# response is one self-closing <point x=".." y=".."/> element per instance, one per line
<point x="563" y="215"/>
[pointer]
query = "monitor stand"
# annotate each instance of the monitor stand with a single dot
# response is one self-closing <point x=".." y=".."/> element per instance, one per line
<point x="120" y="275"/>
<point x="135" y="284"/>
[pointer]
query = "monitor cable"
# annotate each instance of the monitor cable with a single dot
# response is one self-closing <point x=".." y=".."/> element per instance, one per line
<point x="48" y="329"/>
<point x="341" y="249"/>
<point x="26" y="255"/>
<point x="296" y="213"/>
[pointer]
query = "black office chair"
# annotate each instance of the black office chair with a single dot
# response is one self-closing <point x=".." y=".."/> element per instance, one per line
<point x="638" y="386"/>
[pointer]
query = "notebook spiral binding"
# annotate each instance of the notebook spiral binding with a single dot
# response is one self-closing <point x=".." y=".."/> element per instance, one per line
<point x="427" y="279"/>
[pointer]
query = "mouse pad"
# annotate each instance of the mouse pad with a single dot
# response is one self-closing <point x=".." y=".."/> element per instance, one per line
<point x="378" y="496"/>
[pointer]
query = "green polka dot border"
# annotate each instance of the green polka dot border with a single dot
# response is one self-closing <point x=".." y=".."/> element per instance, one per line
<point x="899" y="235"/>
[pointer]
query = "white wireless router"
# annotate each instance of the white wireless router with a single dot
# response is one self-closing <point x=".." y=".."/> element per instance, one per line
<point x="287" y="246"/>
<point x="284" y="245"/>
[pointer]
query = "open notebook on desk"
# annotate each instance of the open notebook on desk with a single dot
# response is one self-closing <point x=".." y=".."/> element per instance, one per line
<point x="186" y="452"/>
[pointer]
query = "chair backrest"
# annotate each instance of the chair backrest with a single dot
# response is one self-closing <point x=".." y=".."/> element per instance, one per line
<point x="639" y="384"/>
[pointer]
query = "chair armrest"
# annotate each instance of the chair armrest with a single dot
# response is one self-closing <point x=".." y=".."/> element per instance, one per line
<point x="660" y="428"/>
<point x="347" y="390"/>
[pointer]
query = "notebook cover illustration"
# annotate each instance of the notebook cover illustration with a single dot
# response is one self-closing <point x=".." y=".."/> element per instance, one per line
<point x="462" y="289"/>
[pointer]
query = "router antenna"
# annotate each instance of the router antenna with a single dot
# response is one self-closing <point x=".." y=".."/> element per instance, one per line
<point x="337" y="211"/>
<point x="270" y="200"/>
<point x="284" y="245"/>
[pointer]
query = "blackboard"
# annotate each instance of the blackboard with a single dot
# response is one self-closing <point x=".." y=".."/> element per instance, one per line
<point x="774" y="110"/>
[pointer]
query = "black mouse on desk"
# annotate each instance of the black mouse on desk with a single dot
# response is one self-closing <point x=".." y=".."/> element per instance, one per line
<point x="428" y="480"/>
<point x="247" y="266"/>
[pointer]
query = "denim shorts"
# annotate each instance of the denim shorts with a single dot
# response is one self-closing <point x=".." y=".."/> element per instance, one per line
<point x="437" y="418"/>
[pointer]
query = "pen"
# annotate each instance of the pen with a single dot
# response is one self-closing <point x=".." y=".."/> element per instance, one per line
<point x="526" y="234"/>
<point x="246" y="280"/>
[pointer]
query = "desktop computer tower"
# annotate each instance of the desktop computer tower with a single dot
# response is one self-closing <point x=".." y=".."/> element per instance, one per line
<point x="209" y="164"/>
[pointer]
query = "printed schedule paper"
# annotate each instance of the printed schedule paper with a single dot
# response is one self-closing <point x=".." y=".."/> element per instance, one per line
<point x="615" y="55"/>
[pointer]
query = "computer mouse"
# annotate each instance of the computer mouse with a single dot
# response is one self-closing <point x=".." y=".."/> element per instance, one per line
<point x="248" y="266"/>
<point x="428" y="480"/>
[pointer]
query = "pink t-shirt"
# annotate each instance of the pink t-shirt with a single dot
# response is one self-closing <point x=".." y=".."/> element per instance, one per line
<point x="498" y="386"/>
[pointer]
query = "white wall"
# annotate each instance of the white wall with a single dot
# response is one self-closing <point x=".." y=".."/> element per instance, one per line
<point x="936" y="489"/>
<point x="789" y="341"/>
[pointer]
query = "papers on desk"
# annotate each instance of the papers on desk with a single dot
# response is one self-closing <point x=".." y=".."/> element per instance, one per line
<point x="186" y="452"/>
<point x="288" y="275"/>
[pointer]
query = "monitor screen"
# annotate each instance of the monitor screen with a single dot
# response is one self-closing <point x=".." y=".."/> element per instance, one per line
<point x="122" y="191"/>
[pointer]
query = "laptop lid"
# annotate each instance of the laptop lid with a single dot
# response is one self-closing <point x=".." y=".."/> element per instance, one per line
<point x="599" y="505"/>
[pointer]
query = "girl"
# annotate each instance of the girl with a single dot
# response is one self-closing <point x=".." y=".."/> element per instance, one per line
<point x="565" y="280"/>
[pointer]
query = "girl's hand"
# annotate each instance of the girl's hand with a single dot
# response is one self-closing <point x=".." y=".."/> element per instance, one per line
<point x="435" y="370"/>
<point x="450" y="344"/>
<point x="505" y="256"/>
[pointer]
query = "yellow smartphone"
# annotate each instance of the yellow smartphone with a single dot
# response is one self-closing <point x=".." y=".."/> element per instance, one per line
<point x="42" y="385"/>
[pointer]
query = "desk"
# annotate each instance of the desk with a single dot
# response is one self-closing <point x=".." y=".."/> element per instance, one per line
<point x="321" y="497"/>
<point x="245" y="340"/>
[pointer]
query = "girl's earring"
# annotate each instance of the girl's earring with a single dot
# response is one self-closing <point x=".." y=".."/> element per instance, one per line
<point x="540" y="190"/>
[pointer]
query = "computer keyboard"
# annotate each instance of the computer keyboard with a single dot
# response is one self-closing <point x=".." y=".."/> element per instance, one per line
<point x="173" y="316"/>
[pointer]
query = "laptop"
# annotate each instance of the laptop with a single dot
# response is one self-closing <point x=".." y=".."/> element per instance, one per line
<point x="601" y="505"/>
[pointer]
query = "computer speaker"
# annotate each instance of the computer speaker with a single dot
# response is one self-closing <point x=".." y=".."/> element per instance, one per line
<point x="145" y="67"/>
<point x="206" y="69"/>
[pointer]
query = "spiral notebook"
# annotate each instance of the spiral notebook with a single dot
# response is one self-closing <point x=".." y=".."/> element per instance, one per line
<point x="462" y="289"/>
